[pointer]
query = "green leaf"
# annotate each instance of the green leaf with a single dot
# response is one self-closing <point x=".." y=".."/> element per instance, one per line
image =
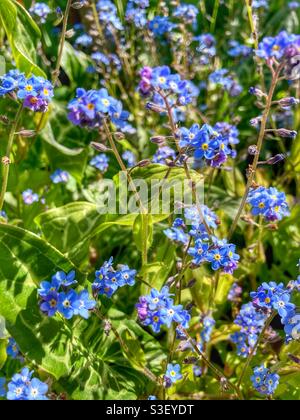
<point x="75" y="63"/>
<point x="23" y="34"/>
<point x="224" y="284"/>
<point x="87" y="364"/>
<point x="3" y="354"/>
<point x="143" y="231"/>
<point x="68" y="227"/>
<point x="25" y="260"/>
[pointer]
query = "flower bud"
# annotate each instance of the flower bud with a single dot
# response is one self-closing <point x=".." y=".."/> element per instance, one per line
<point x="26" y="133"/>
<point x="100" y="147"/>
<point x="275" y="159"/>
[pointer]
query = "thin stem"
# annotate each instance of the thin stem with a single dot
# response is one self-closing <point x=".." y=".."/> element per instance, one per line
<point x="186" y="168"/>
<point x="253" y="168"/>
<point x="255" y="39"/>
<point x="56" y="72"/>
<point x="253" y="351"/>
<point x="217" y="372"/>
<point x="214" y="16"/>
<point x="147" y="372"/>
<point x="8" y="153"/>
<point x="144" y="211"/>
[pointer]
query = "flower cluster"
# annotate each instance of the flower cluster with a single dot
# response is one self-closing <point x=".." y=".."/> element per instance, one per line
<point x="60" y="176"/>
<point x="206" y="248"/>
<point x="161" y="25"/>
<point x="251" y="323"/>
<point x="158" y="309"/>
<point x="29" y="197"/>
<point x="269" y="203"/>
<point x="235" y="293"/>
<point x="272" y="296"/>
<point x="130" y="158"/>
<point x="108" y="15"/>
<point x="101" y="162"/>
<point x="108" y="280"/>
<point x="206" y="332"/>
<point x="257" y="4"/>
<point x="23" y="387"/>
<point x="187" y="12"/>
<point x="136" y="13"/>
<point x="206" y="47"/>
<point x="40" y="11"/>
<point x="35" y="92"/>
<point x="162" y="154"/>
<point x="89" y="108"/>
<point x="84" y="41"/>
<point x="279" y="47"/>
<point x="212" y="145"/>
<point x="223" y="78"/>
<point x="264" y="381"/>
<point x="57" y="297"/>
<point x="160" y="80"/>
<point x="239" y="50"/>
<point x="275" y="297"/>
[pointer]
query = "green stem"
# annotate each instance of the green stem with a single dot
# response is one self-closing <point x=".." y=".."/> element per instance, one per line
<point x="253" y="168"/>
<point x="214" y="16"/>
<point x="143" y="210"/>
<point x="8" y="153"/>
<point x="217" y="372"/>
<point x="55" y="74"/>
<point x="253" y="351"/>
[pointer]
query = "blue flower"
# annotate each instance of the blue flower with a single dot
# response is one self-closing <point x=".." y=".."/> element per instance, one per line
<point x="108" y="14"/>
<point x="161" y="25"/>
<point x="152" y="398"/>
<point x="208" y="326"/>
<point x="187" y="12"/>
<point x="66" y="304"/>
<point x="29" y="197"/>
<point x="101" y="162"/>
<point x="2" y="387"/>
<point x="173" y="373"/>
<point x="291" y="324"/>
<point x="47" y="287"/>
<point x="160" y="77"/>
<point x="256" y="4"/>
<point x="199" y="251"/>
<point x="12" y="349"/>
<point x="223" y="78"/>
<point x="283" y="305"/>
<point x="40" y="11"/>
<point x="164" y="153"/>
<point x="60" y="176"/>
<point x="63" y="279"/>
<point x="83" y="304"/>
<point x="36" y="390"/>
<point x="84" y="40"/>
<point x="49" y="304"/>
<point x="239" y="50"/>
<point x="130" y="158"/>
